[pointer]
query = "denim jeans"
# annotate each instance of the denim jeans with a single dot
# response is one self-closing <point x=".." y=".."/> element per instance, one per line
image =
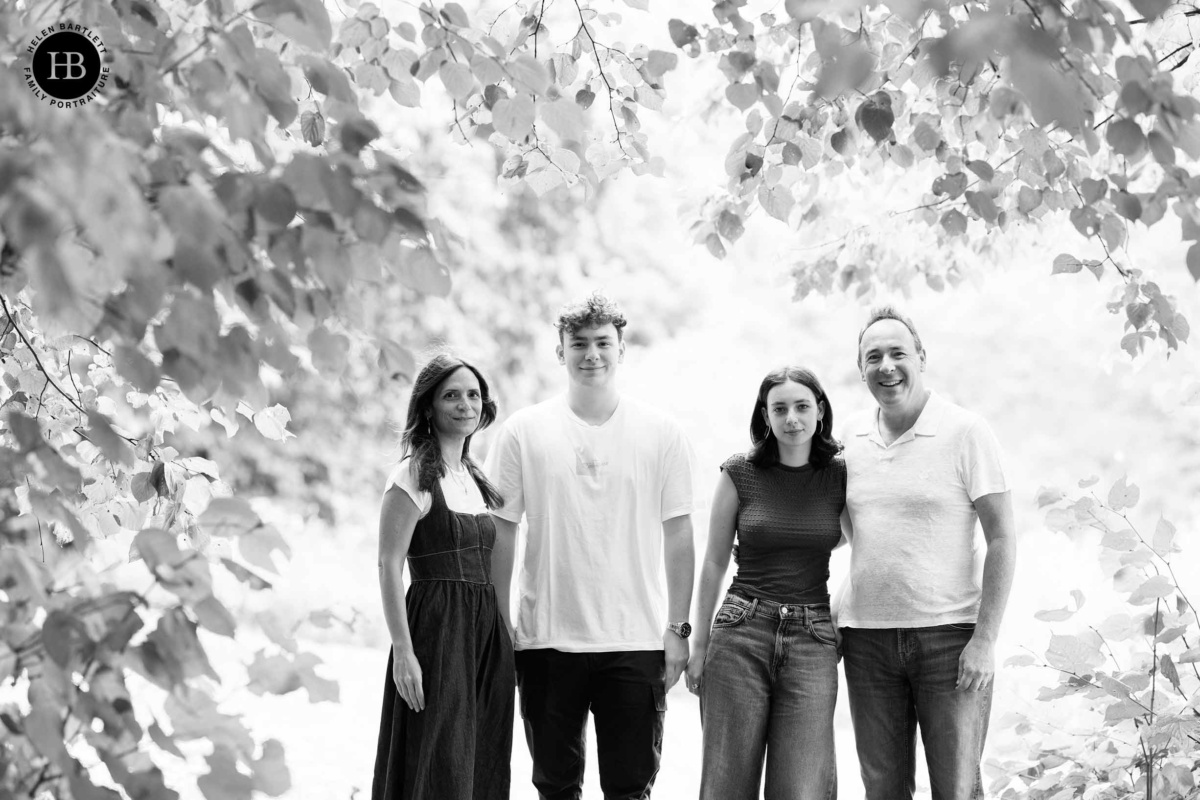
<point x="769" y="686"/>
<point x="627" y="698"/>
<point x="899" y="678"/>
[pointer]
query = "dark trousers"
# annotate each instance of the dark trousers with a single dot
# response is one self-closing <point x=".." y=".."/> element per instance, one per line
<point x="627" y="698"/>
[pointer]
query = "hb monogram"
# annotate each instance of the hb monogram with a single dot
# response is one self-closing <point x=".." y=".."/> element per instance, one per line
<point x="73" y="63"/>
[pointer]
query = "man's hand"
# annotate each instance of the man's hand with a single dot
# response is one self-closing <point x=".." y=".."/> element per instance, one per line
<point x="976" y="665"/>
<point x="676" y="650"/>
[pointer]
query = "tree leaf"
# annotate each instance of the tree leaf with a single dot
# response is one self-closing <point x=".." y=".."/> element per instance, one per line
<point x="1066" y="263"/>
<point x="272" y="423"/>
<point x="660" y="62"/>
<point x="983" y="205"/>
<point x="419" y="269"/>
<point x="982" y="169"/>
<point x="312" y="128"/>
<point x="1125" y="137"/>
<point x="529" y="73"/>
<point x="1193" y="261"/>
<point x="271" y="775"/>
<point x="776" y="200"/>
<point x="565" y="117"/>
<point x="729" y="225"/>
<point x="514" y="118"/>
<point x="223" y="781"/>
<point x="227" y="517"/>
<point x="356" y="133"/>
<point x="681" y="33"/>
<point x="458" y="80"/>
<point x="1073" y="654"/>
<point x="875" y="116"/>
<point x="329" y="350"/>
<point x="259" y="546"/>
<point x="954" y="222"/>
<point x="742" y="95"/>
<point x="1123" y="495"/>
<point x="275" y="204"/>
<point x="1152" y="588"/>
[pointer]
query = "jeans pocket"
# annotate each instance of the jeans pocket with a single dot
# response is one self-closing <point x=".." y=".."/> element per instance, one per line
<point x="730" y="615"/>
<point x="821" y="630"/>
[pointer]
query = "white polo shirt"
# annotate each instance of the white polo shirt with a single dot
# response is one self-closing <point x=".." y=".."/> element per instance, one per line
<point x="592" y="577"/>
<point x="916" y="559"/>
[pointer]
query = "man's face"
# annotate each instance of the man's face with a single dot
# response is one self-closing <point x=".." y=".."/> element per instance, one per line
<point x="591" y="355"/>
<point x="891" y="365"/>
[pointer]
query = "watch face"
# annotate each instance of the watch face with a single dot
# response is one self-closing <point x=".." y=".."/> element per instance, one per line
<point x="684" y="630"/>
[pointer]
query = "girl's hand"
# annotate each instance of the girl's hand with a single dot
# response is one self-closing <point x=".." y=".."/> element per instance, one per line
<point x="695" y="667"/>
<point x="406" y="673"/>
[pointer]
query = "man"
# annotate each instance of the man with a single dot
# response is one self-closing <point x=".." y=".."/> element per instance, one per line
<point x="918" y="625"/>
<point x="605" y="484"/>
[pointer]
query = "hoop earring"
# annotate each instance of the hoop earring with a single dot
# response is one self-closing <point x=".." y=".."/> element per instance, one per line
<point x="820" y="423"/>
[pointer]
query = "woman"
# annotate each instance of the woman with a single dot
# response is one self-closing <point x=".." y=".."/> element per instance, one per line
<point x="446" y="732"/>
<point x="767" y="673"/>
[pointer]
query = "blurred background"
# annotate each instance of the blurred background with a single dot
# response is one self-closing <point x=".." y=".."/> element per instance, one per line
<point x="1038" y="356"/>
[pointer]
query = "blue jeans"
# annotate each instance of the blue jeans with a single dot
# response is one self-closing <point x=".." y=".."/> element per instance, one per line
<point x="769" y="686"/>
<point x="899" y="678"/>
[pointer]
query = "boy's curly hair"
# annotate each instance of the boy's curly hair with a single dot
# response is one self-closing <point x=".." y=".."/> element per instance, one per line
<point x="598" y="309"/>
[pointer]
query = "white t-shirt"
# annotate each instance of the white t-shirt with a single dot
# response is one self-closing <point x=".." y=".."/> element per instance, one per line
<point x="458" y="488"/>
<point x="915" y="558"/>
<point x="595" y="496"/>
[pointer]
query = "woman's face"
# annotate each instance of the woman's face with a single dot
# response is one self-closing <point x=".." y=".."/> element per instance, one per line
<point x="792" y="412"/>
<point x="457" y="403"/>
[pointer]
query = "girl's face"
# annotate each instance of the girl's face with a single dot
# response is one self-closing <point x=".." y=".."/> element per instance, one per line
<point x="457" y="404"/>
<point x="792" y="412"/>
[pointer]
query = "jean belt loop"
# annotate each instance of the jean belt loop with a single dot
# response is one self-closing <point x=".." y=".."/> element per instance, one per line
<point x="804" y="619"/>
<point x="753" y="608"/>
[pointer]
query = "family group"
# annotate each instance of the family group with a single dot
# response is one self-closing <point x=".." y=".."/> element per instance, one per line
<point x="603" y="622"/>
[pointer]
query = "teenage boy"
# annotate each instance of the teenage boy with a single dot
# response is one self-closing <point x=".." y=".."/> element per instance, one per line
<point x="605" y="485"/>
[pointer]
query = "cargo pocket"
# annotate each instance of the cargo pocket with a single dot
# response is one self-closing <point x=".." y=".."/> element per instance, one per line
<point x="660" y="697"/>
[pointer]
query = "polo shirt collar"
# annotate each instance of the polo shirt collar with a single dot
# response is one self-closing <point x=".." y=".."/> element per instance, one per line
<point x="926" y="425"/>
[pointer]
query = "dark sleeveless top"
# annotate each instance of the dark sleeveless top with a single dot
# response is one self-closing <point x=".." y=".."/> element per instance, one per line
<point x="787" y="525"/>
<point x="451" y="545"/>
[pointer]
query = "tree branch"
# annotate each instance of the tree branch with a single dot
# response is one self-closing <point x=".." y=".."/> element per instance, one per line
<point x="37" y="358"/>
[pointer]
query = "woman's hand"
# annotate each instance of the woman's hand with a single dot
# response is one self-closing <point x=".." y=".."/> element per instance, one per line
<point x="406" y="673"/>
<point x="695" y="667"/>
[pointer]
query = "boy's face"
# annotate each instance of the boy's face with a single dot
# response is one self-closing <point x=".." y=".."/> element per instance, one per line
<point x="591" y="355"/>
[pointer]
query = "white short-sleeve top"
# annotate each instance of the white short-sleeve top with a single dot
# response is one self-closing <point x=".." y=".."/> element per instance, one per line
<point x="458" y="488"/>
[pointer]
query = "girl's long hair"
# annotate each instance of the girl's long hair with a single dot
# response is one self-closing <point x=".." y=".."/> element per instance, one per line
<point x="765" y="450"/>
<point x="420" y="438"/>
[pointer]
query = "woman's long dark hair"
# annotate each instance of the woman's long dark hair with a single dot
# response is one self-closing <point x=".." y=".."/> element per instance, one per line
<point x="765" y="450"/>
<point x="420" y="438"/>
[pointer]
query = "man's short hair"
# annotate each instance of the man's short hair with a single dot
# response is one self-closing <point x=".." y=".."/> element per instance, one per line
<point x="596" y="310"/>
<point x="889" y="312"/>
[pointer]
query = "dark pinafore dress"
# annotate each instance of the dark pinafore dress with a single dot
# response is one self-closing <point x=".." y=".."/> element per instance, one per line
<point x="459" y="747"/>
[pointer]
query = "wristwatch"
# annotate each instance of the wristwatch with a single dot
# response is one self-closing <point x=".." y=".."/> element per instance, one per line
<point x="680" y="629"/>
